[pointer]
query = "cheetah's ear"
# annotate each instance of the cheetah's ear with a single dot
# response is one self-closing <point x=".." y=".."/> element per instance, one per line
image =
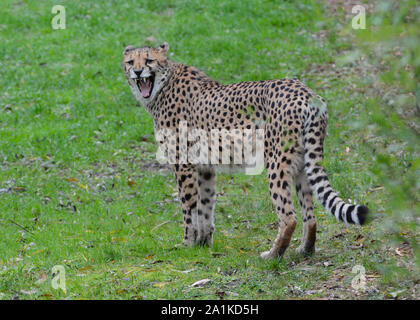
<point x="164" y="47"/>
<point x="128" y="49"/>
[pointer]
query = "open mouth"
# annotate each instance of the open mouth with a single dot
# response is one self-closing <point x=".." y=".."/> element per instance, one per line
<point x="145" y="85"/>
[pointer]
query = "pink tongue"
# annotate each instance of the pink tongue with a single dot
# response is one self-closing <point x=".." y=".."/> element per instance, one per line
<point x="145" y="89"/>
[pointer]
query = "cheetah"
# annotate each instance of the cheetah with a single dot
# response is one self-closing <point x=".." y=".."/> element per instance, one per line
<point x="294" y="120"/>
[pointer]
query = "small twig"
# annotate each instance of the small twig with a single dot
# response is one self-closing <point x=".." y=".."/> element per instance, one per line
<point x="161" y="224"/>
<point x="185" y="271"/>
<point x="376" y="189"/>
<point x="20" y="226"/>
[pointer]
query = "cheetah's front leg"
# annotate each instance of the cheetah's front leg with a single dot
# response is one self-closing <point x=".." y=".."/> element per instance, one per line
<point x="187" y="186"/>
<point x="206" y="202"/>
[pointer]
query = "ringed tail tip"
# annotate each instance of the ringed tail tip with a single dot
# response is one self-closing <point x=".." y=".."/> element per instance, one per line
<point x="362" y="212"/>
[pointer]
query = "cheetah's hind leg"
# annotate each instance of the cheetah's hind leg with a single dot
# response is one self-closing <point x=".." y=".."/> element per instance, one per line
<point x="306" y="202"/>
<point x="281" y="195"/>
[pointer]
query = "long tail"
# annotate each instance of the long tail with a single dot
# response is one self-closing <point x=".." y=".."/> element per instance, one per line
<point x="314" y="133"/>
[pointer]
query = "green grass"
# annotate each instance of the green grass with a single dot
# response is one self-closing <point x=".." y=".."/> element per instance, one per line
<point x="75" y="155"/>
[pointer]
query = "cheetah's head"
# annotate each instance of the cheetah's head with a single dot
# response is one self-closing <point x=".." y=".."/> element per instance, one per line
<point x="147" y="70"/>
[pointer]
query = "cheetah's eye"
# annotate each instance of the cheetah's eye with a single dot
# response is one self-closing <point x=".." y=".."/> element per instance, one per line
<point x="130" y="62"/>
<point x="149" y="61"/>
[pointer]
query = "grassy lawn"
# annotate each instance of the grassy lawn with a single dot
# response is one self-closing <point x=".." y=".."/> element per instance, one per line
<point x="80" y="186"/>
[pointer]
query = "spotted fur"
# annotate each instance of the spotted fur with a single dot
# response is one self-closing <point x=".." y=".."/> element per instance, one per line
<point x="294" y="119"/>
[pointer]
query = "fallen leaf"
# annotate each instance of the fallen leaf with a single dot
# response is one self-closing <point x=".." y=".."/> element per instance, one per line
<point x="200" y="283"/>
<point x="185" y="271"/>
<point x="160" y="284"/>
<point x="86" y="268"/>
<point x="82" y="186"/>
<point x="399" y="252"/>
<point x="42" y="278"/>
<point x="115" y="239"/>
<point x="360" y="240"/>
<point x="32" y="291"/>
<point x="151" y="39"/>
<point x="395" y="294"/>
<point x="243" y="188"/>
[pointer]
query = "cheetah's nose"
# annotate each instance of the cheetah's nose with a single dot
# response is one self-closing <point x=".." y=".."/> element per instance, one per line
<point x="138" y="72"/>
